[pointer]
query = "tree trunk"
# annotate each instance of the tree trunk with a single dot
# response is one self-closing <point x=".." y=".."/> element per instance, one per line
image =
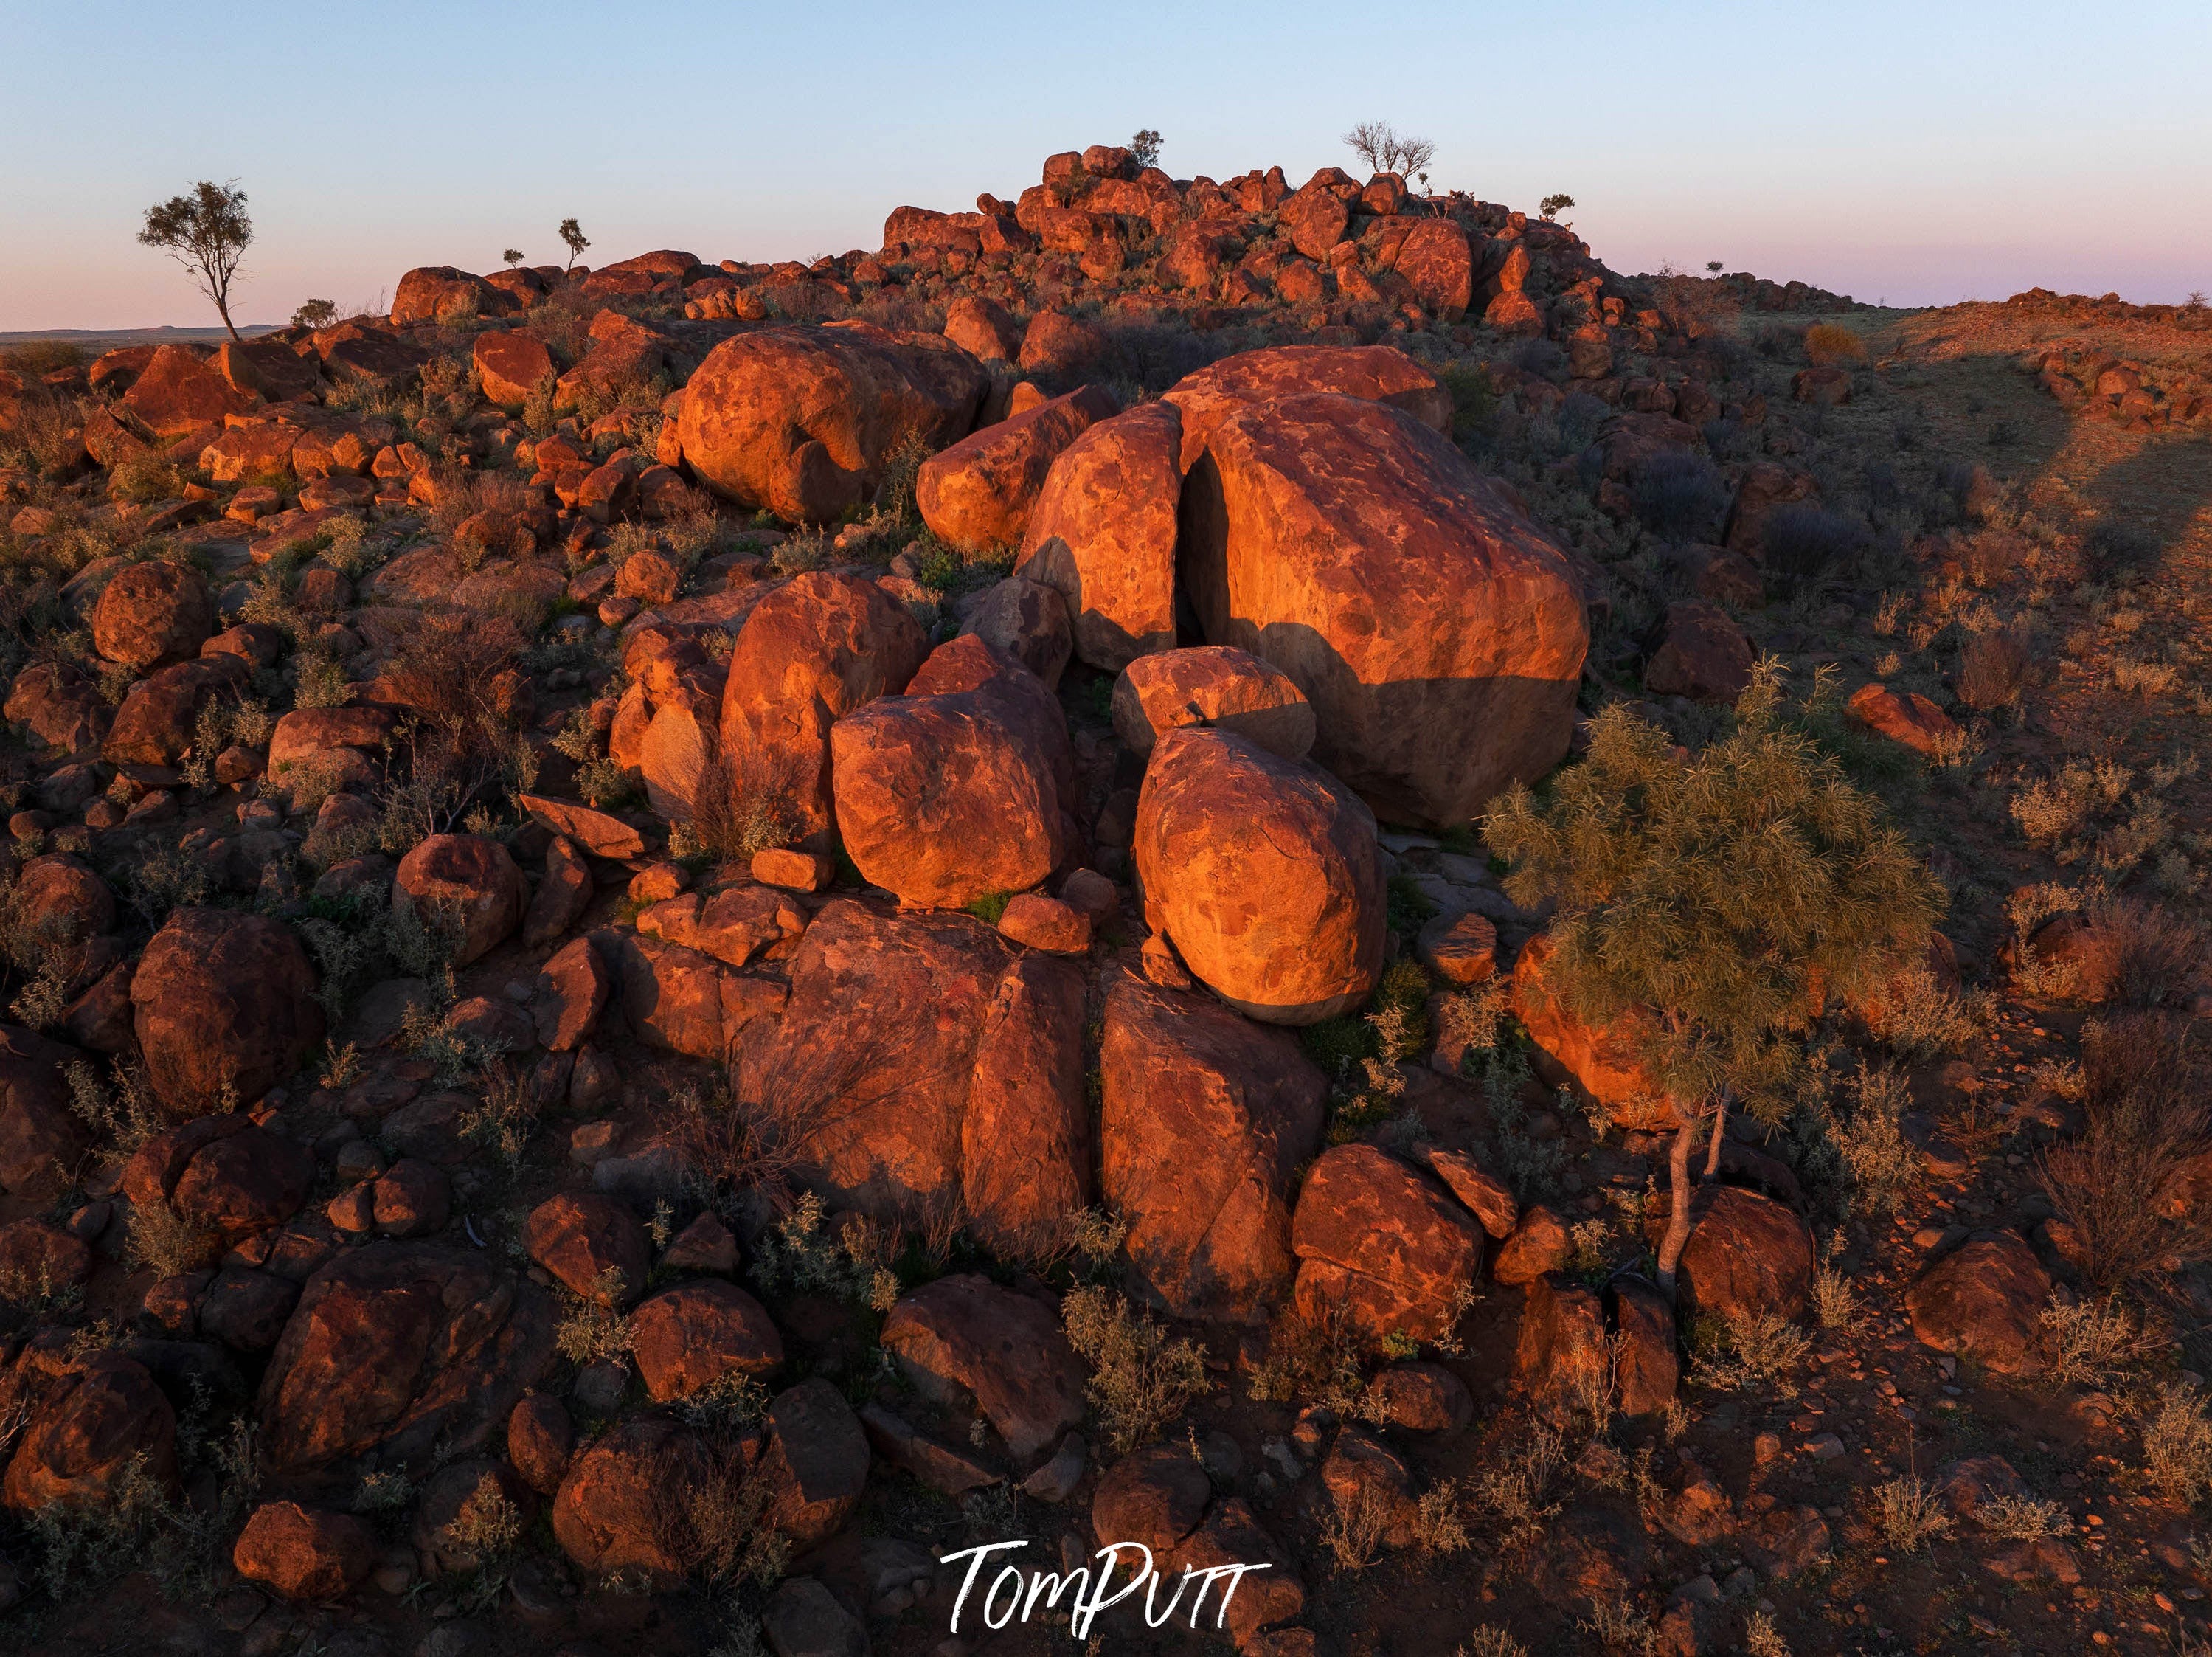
<point x="1678" y="1224"/>
<point x="1713" y="1151"/>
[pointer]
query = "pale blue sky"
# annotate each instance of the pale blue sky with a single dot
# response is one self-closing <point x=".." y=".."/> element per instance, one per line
<point x="1920" y="153"/>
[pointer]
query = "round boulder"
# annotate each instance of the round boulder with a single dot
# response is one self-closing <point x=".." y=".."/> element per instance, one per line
<point x="224" y="1006"/>
<point x="151" y="614"/>
<point x="1266" y="875"/>
<point x="304" y="1553"/>
<point x="465" y="886"/>
<point x="687" y="1338"/>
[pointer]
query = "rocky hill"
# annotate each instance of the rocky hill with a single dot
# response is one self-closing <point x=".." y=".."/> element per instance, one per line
<point x="680" y="938"/>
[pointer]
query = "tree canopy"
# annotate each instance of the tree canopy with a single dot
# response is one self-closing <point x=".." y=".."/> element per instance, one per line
<point x="1729" y="894"/>
<point x="207" y="232"/>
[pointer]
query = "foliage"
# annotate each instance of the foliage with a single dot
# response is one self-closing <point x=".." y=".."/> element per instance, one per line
<point x="207" y="232"/>
<point x="574" y="238"/>
<point x="1880" y="1163"/>
<point x="1144" y="147"/>
<point x="592" y="1329"/>
<point x="2177" y="1441"/>
<point x="314" y="314"/>
<point x="1553" y="205"/>
<point x="2124" y="1184"/>
<point x="1141" y="1379"/>
<point x="1911" y="1514"/>
<point x="799" y="1256"/>
<point x="1716" y="891"/>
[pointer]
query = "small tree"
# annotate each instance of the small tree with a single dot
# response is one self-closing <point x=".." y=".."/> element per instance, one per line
<point x="1551" y="206"/>
<point x="515" y="256"/>
<point x="206" y="231"/>
<point x="1719" y="900"/>
<point x="315" y="313"/>
<point x="1144" y="147"/>
<point x="1713" y="266"/>
<point x="577" y="241"/>
<point x="1387" y="150"/>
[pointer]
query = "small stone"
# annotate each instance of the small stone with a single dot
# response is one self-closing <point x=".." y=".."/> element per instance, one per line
<point x="792" y="869"/>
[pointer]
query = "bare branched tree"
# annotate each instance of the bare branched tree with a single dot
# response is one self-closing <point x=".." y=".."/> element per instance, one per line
<point x="206" y="231"/>
<point x="1385" y="150"/>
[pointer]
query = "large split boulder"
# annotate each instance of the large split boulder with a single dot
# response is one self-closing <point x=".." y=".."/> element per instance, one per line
<point x="403" y="1348"/>
<point x="1265" y="874"/>
<point x="225" y="1009"/>
<point x="802" y="420"/>
<point x="923" y="1060"/>
<point x="976" y="496"/>
<point x="177" y="392"/>
<point x="960" y="788"/>
<point x="810" y="652"/>
<point x="1203" y="1117"/>
<point x="1103" y="531"/>
<point x="1438" y="632"/>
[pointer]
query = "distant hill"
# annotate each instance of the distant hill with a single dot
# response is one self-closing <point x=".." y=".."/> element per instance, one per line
<point x="107" y="339"/>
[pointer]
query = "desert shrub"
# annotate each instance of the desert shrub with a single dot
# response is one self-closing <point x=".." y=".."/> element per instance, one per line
<point x="2125" y="1184"/>
<point x="2023" y="1517"/>
<point x="1315" y="1361"/>
<point x="487" y="1526"/>
<point x="1541" y="357"/>
<point x="1355" y="1528"/>
<point x="146" y="477"/>
<point x="726" y="1145"/>
<point x="1758" y="1348"/>
<point x="1515" y="1491"/>
<point x="51" y="430"/>
<point x="1806" y="545"/>
<point x="1916" y="1017"/>
<point x="590" y="1330"/>
<point x="1992" y="668"/>
<point x="1616" y="1625"/>
<point x="124" y="1115"/>
<point x="2113" y="547"/>
<point x="1140" y="1379"/>
<point x="800" y="1256"/>
<point x="1681" y="495"/>
<point x="1869" y="1139"/>
<point x="1474" y="398"/>
<point x="721" y="1520"/>
<point x="2090" y="1342"/>
<point x="505" y="1115"/>
<point x="165" y="1243"/>
<point x="1910" y="1515"/>
<point x="43" y="357"/>
<point x="1491" y="1641"/>
<point x="1762" y="1639"/>
<point x="1778" y="343"/>
<point x="2140" y="954"/>
<point x="2176" y="1442"/>
<point x="1829" y="346"/>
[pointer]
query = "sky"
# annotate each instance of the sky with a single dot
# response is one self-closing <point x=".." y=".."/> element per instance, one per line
<point x="1912" y="154"/>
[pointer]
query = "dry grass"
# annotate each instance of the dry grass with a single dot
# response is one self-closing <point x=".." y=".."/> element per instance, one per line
<point x="1355" y="1527"/>
<point x="1489" y="1642"/>
<point x="1827" y="345"/>
<point x="1140" y="1379"/>
<point x="1909" y="1514"/>
<point x="2090" y="1342"/>
<point x="2176" y="1442"/>
<point x="1880" y="1163"/>
<point x="488" y="1526"/>
<point x="2023" y="1518"/>
<point x="165" y="1243"/>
